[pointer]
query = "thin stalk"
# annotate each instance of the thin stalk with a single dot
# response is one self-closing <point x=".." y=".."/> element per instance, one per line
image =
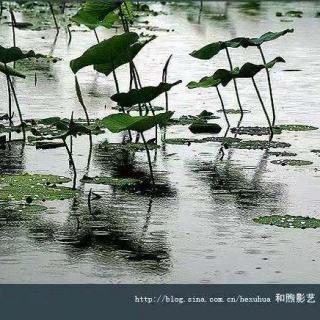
<point x="149" y="158"/>
<point x="270" y="87"/>
<point x="79" y="95"/>
<point x="13" y="25"/>
<point x="235" y="84"/>
<point x="134" y="68"/>
<point x="164" y="79"/>
<point x="223" y="107"/>
<point x="123" y="21"/>
<point x="263" y="107"/>
<point x="10" y="106"/>
<point x="18" y="107"/>
<point x="70" y="34"/>
<point x="96" y="35"/>
<point x="201" y="5"/>
<point x="72" y="164"/>
<point x="54" y="17"/>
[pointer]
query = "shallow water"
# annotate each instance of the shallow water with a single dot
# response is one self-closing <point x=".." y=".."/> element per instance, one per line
<point x="190" y="234"/>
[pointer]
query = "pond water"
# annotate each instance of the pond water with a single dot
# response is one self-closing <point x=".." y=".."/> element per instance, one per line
<point x="191" y="233"/>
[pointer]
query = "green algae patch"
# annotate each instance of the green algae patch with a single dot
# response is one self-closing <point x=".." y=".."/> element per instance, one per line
<point x="234" y="111"/>
<point x="34" y="187"/>
<point x="133" y="147"/>
<point x="292" y="162"/>
<point x="202" y="117"/>
<point x="113" y="181"/>
<point x="288" y="221"/>
<point x="19" y="212"/>
<point x="258" y="131"/>
<point x="187" y="141"/>
<point x="282" y="154"/>
<point x="259" y="144"/>
<point x="296" y="127"/>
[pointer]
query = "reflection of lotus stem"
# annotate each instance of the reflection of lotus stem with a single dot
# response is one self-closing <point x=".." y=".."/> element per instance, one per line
<point x="79" y="95"/>
<point x="270" y="87"/>
<point x="164" y="79"/>
<point x="53" y="16"/>
<point x="18" y="107"/>
<point x="149" y="158"/>
<point x="89" y="201"/>
<point x="263" y="107"/>
<point x="72" y="164"/>
<point x="201" y="5"/>
<point x="223" y="108"/>
<point x="235" y="83"/>
<point x="10" y="101"/>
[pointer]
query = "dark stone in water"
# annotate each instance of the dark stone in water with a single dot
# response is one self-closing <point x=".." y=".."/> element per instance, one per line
<point x="49" y="145"/>
<point x="205" y="128"/>
<point x="2" y="140"/>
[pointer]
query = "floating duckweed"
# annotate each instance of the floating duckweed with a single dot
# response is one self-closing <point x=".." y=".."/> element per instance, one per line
<point x="296" y="127"/>
<point x="289" y="221"/>
<point x="33" y="186"/>
<point x="292" y="162"/>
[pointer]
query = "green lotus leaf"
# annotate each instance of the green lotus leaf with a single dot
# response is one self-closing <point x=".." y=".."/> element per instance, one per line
<point x="249" y="70"/>
<point x="123" y="57"/>
<point x="205" y="82"/>
<point x="269" y="36"/>
<point x="10" y="71"/>
<point x="212" y="49"/>
<point x="13" y="54"/>
<point x="123" y="122"/>
<point x="143" y="95"/>
<point x="106" y="52"/>
<point x="95" y="13"/>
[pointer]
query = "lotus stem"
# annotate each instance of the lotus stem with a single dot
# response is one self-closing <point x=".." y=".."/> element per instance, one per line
<point x="134" y="68"/>
<point x="18" y="107"/>
<point x="54" y="17"/>
<point x="201" y="5"/>
<point x="149" y="158"/>
<point x="123" y="21"/>
<point x="235" y="84"/>
<point x="79" y="95"/>
<point x="223" y="107"/>
<point x="96" y="35"/>
<point x="70" y="34"/>
<point x="13" y="25"/>
<point x="164" y="79"/>
<point x="118" y="91"/>
<point x="270" y="87"/>
<point x="263" y="107"/>
<point x="72" y="164"/>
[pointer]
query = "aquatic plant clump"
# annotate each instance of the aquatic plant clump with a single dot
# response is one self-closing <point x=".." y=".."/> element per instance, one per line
<point x="34" y="187"/>
<point x="296" y="127"/>
<point x="289" y="221"/>
<point x="112" y="181"/>
<point x="292" y="162"/>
